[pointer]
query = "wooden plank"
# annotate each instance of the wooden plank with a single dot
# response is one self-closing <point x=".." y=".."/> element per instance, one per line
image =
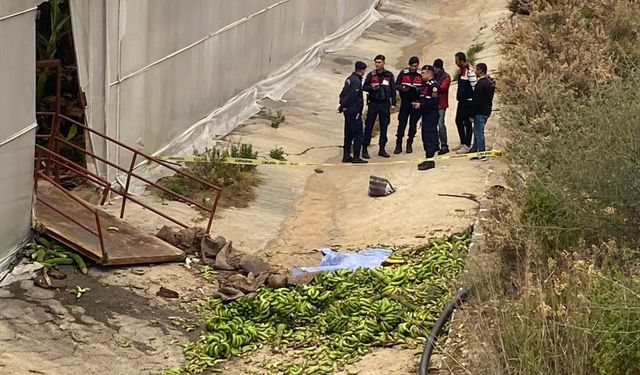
<point x="126" y="245"/>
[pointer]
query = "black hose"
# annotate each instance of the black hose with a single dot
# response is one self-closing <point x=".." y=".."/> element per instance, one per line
<point x="461" y="297"/>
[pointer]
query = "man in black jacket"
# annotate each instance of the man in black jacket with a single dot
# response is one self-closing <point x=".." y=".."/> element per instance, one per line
<point x="481" y="108"/>
<point x="380" y="86"/>
<point x="351" y="105"/>
<point x="428" y="106"/>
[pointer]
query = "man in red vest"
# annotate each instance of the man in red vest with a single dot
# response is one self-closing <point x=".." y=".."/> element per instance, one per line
<point x="409" y="84"/>
<point x="381" y="100"/>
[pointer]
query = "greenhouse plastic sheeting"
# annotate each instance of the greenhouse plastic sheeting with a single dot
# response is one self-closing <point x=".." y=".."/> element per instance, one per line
<point x="17" y="128"/>
<point x="169" y="77"/>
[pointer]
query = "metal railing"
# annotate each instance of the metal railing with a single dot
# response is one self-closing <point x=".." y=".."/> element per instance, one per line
<point x="62" y="162"/>
<point x="97" y="232"/>
<point x="50" y="163"/>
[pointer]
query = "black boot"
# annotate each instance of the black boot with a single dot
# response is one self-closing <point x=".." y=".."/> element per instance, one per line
<point x="398" y="148"/>
<point x="346" y="154"/>
<point x="358" y="161"/>
<point x="383" y="153"/>
<point x="409" y="146"/>
<point x="356" y="157"/>
<point x="365" y="152"/>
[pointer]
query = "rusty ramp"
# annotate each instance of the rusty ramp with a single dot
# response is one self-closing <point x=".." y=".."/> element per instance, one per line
<point x="108" y="240"/>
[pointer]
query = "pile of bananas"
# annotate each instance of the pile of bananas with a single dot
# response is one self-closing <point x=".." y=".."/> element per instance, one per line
<point x="52" y="254"/>
<point x="331" y="323"/>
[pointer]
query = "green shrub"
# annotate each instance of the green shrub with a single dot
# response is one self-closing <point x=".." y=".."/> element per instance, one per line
<point x="579" y="322"/>
<point x="549" y="218"/>
<point x="616" y="318"/>
<point x="575" y="121"/>
<point x="237" y="181"/>
<point x="591" y="167"/>
<point x="277" y="153"/>
<point x="278" y="119"/>
<point x="473" y="51"/>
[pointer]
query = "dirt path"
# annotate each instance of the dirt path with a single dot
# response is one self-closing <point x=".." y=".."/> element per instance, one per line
<point x="297" y="210"/>
<point x="122" y="327"/>
<point x="333" y="208"/>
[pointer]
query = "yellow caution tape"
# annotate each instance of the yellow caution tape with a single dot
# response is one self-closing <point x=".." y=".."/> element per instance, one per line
<point x="245" y="161"/>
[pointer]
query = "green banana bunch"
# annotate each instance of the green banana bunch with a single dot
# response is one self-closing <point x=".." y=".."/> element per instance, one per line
<point x="79" y="291"/>
<point x="52" y="254"/>
<point x="172" y="371"/>
<point x="331" y="323"/>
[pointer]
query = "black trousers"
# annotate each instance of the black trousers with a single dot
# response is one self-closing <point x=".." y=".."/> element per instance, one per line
<point x="382" y="112"/>
<point x="352" y="134"/>
<point x="429" y="132"/>
<point x="463" y="123"/>
<point x="412" y="116"/>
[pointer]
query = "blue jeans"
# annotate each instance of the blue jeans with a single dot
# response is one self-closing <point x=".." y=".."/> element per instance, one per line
<point x="479" y="122"/>
<point x="442" y="130"/>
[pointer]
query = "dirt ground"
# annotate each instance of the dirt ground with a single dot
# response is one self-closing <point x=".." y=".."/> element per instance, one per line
<point x="121" y="327"/>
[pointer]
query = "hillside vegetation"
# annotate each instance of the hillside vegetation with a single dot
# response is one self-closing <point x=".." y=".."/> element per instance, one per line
<point x="568" y="227"/>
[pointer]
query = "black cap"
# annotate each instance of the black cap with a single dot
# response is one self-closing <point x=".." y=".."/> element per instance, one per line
<point x="414" y="60"/>
<point x="360" y="65"/>
<point x="427" y="67"/>
<point x="438" y="63"/>
<point x="379" y="57"/>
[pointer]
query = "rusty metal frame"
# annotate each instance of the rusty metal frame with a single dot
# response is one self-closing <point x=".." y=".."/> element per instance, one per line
<point x="129" y="172"/>
<point x="49" y="164"/>
<point x="98" y="232"/>
<point x="55" y="121"/>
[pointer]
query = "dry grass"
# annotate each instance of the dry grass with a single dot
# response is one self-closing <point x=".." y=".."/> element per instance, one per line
<point x="567" y="230"/>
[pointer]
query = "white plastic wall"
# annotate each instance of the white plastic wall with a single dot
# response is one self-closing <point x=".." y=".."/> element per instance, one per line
<point x="17" y="123"/>
<point x="170" y="75"/>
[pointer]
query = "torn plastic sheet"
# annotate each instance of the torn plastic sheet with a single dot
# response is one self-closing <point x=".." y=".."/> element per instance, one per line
<point x="17" y="137"/>
<point x="334" y="261"/>
<point x="225" y="119"/>
<point x="25" y="271"/>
